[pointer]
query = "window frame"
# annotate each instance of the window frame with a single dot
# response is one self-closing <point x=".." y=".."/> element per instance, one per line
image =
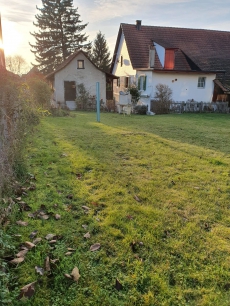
<point x="201" y="82"/>
<point x="142" y="80"/>
<point x="126" y="81"/>
<point x="80" y="62"/>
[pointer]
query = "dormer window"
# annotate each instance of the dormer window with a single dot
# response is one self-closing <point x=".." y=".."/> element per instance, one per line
<point x="169" y="59"/>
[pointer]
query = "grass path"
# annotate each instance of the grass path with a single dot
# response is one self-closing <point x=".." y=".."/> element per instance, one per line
<point x="158" y="189"/>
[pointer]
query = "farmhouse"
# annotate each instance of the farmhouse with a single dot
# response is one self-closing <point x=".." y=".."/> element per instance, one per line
<point x="76" y="70"/>
<point x="194" y="63"/>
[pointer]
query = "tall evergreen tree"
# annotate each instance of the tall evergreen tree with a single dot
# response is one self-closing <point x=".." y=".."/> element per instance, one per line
<point x="59" y="34"/>
<point x="100" y="52"/>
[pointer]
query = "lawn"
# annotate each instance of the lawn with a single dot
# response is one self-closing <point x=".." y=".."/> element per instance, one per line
<point x="153" y="191"/>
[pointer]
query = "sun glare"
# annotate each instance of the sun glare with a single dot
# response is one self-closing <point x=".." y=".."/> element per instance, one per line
<point x="11" y="38"/>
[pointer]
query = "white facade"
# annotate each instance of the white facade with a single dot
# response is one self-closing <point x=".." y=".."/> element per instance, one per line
<point x="88" y="76"/>
<point x="184" y="85"/>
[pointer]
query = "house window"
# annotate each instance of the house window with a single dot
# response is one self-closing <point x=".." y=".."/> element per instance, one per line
<point x="169" y="59"/>
<point x="80" y="64"/>
<point x="142" y="82"/>
<point x="118" y="82"/>
<point x="121" y="61"/>
<point x="126" y="83"/>
<point x="201" y="82"/>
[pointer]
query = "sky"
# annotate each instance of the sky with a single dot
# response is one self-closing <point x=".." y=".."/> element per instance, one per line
<point x="106" y="16"/>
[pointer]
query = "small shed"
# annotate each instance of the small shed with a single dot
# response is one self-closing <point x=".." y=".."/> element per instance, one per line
<point x="76" y="72"/>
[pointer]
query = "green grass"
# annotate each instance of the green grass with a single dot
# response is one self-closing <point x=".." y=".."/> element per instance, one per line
<point x="170" y="248"/>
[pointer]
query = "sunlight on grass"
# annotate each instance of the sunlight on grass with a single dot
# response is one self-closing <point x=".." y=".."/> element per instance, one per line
<point x="158" y="192"/>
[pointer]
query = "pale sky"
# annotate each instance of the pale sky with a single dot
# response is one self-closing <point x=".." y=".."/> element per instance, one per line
<point x="106" y="16"/>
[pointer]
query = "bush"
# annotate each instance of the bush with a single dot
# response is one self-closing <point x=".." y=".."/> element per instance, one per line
<point x="162" y="99"/>
<point x="141" y="109"/>
<point x="135" y="93"/>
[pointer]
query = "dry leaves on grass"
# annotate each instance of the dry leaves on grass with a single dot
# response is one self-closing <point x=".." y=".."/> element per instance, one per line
<point x="137" y="198"/>
<point x="87" y="235"/>
<point x="27" y="291"/>
<point x="118" y="285"/>
<point x="39" y="270"/>
<point x="17" y="261"/>
<point x="57" y="216"/>
<point x="50" y="236"/>
<point x="22" y="253"/>
<point x="95" y="247"/>
<point x="22" y="223"/>
<point x="29" y="245"/>
<point x="37" y="240"/>
<point x="75" y="274"/>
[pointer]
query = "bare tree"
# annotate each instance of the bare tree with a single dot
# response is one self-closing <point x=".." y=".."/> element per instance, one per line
<point x="16" y="64"/>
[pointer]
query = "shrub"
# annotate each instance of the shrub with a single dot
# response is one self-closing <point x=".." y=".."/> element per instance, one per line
<point x="82" y="96"/>
<point x="141" y="109"/>
<point x="135" y="93"/>
<point x="162" y="99"/>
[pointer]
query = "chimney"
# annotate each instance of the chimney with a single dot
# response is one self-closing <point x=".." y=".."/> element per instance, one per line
<point x="138" y="24"/>
<point x="152" y="53"/>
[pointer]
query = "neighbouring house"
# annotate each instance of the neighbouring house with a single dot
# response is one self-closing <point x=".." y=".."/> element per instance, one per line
<point x="78" y="69"/>
<point x="194" y="63"/>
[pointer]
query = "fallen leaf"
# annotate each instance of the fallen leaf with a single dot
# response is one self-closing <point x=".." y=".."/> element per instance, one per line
<point x="84" y="226"/>
<point x="50" y="236"/>
<point x="87" y="235"/>
<point x="31" y="215"/>
<point x="69" y="196"/>
<point x="47" y="264"/>
<point x="136" y="198"/>
<point x="53" y="261"/>
<point x="95" y="247"/>
<point x="27" y="291"/>
<point x="22" y="253"/>
<point x="68" y="253"/>
<point x="17" y="260"/>
<point x="39" y="270"/>
<point x="68" y="276"/>
<point x="64" y="155"/>
<point x="75" y="274"/>
<point x="118" y="285"/>
<point x="33" y="234"/>
<point x="85" y="207"/>
<point x="22" y="223"/>
<point x="44" y="217"/>
<point x="29" y="244"/>
<point x="24" y="207"/>
<point x="70" y="249"/>
<point x="57" y="217"/>
<point x="37" y="240"/>
<point x="52" y="241"/>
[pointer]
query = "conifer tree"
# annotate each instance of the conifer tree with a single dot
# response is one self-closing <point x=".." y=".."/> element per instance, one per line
<point x="59" y="34"/>
<point x="100" y="52"/>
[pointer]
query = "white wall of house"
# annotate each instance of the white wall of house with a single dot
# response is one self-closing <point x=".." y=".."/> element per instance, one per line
<point x="185" y="85"/>
<point x="124" y="70"/>
<point x="88" y="76"/>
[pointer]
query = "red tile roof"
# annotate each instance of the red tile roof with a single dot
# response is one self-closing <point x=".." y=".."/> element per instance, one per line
<point x="197" y="50"/>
